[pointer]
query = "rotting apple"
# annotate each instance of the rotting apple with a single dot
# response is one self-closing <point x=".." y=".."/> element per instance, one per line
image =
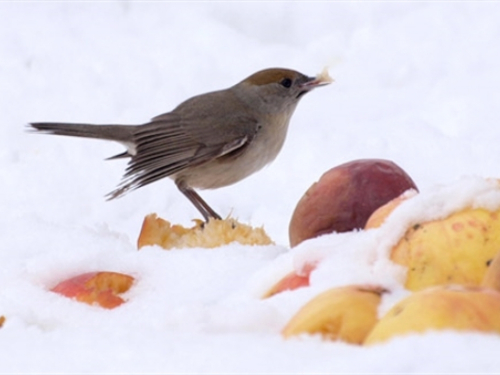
<point x="102" y="288"/>
<point x="345" y="196"/>
<point x="444" y="307"/>
<point x="214" y="233"/>
<point x="492" y="277"/>
<point x="455" y="250"/>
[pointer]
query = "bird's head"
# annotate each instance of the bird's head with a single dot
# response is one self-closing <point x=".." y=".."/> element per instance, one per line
<point x="278" y="89"/>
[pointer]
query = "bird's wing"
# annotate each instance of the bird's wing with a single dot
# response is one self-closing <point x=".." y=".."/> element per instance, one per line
<point x="216" y="118"/>
<point x="176" y="141"/>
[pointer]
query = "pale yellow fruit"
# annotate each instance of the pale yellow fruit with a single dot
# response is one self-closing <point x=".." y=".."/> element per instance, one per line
<point x="492" y="277"/>
<point x="378" y="217"/>
<point x="345" y="313"/>
<point x="452" y="307"/>
<point x="157" y="231"/>
<point x="454" y="250"/>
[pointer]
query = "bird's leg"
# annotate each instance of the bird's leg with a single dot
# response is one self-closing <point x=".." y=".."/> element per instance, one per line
<point x="197" y="201"/>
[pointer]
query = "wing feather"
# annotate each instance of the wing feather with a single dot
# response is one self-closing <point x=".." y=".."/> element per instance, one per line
<point x="175" y="141"/>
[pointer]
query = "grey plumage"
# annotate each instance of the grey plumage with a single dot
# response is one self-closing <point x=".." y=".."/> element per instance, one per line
<point x="171" y="142"/>
<point x="209" y="141"/>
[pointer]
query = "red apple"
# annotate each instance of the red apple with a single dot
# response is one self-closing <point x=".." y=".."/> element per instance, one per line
<point x="102" y="288"/>
<point x="345" y="196"/>
<point x="292" y="281"/>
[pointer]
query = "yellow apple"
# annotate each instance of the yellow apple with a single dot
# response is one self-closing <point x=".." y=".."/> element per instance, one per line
<point x="346" y="313"/>
<point x="454" y="250"/>
<point x="377" y="218"/>
<point x="439" y="308"/>
<point x="492" y="277"/>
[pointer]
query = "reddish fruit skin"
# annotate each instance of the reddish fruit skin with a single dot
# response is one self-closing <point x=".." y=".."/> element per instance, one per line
<point x="291" y="281"/>
<point x="74" y="286"/>
<point x="345" y="196"/>
<point x="101" y="288"/>
<point x="294" y="280"/>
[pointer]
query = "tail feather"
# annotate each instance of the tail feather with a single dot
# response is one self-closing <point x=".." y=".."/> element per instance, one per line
<point x="119" y="133"/>
<point x="125" y="154"/>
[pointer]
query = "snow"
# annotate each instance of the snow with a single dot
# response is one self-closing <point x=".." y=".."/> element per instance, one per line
<point x="416" y="83"/>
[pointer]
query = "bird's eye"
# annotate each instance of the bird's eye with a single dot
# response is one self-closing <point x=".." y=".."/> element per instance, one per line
<point x="286" y="82"/>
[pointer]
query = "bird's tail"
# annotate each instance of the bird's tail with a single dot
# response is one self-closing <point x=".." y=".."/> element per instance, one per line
<point x="119" y="133"/>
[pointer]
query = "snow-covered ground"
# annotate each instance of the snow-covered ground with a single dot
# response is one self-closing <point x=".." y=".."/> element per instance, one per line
<point x="416" y="83"/>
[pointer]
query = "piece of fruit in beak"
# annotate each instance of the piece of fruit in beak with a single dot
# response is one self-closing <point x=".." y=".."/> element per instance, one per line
<point x="321" y="79"/>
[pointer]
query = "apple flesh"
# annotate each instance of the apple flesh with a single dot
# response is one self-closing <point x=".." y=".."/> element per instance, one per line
<point x="214" y="233"/>
<point x="345" y="196"/>
<point x="101" y="288"/>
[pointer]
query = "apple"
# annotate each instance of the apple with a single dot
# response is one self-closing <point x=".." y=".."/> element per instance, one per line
<point x="492" y="277"/>
<point x="157" y="231"/>
<point x="346" y="313"/>
<point x="345" y="196"/>
<point x="292" y="281"/>
<point x="378" y="217"/>
<point x="440" y="308"/>
<point x="102" y="288"/>
<point x="455" y="250"/>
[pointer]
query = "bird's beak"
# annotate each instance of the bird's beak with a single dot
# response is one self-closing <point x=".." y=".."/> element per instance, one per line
<point x="322" y="79"/>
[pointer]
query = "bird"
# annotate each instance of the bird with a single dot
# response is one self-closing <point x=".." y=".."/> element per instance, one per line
<point x="208" y="141"/>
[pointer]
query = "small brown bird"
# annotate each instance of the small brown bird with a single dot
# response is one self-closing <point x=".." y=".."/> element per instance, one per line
<point x="209" y="141"/>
